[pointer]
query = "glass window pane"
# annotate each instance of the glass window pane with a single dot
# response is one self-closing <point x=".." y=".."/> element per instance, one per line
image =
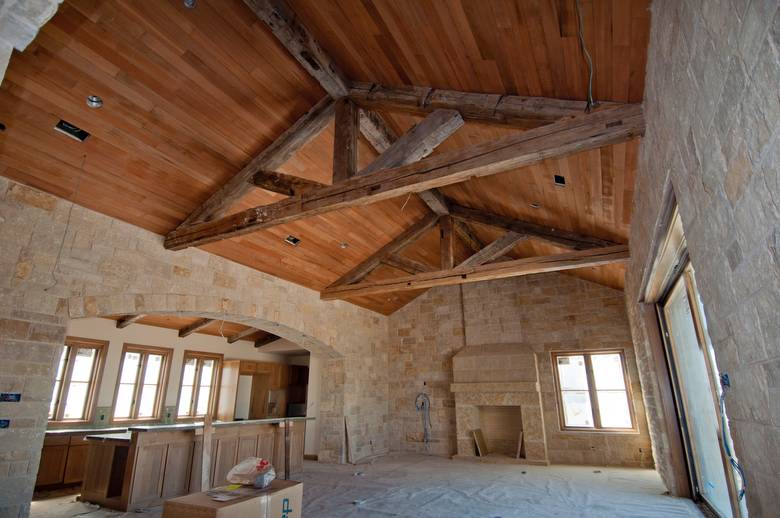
<point x="146" y="405"/>
<point x="207" y="371"/>
<point x="83" y="363"/>
<point x="63" y="360"/>
<point x="613" y="409"/>
<point x="571" y="373"/>
<point x="185" y="399"/>
<point x="124" y="400"/>
<point x="77" y="400"/>
<point x="203" y="401"/>
<point x="189" y="372"/>
<point x="130" y="367"/>
<point x="55" y="394"/>
<point x="608" y="371"/>
<point x="577" y="409"/>
<point x="153" y="368"/>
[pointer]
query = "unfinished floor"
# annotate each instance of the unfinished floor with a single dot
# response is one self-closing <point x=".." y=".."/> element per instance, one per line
<point x="419" y="485"/>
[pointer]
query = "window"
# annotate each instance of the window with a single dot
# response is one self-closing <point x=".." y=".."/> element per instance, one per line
<point x="199" y="375"/>
<point x="593" y="392"/>
<point x="78" y="370"/>
<point x="140" y="390"/>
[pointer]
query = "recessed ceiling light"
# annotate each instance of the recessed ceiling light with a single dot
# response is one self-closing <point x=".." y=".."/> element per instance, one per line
<point x="93" y="101"/>
<point x="559" y="180"/>
<point x="189" y="4"/>
<point x="292" y="240"/>
<point x="535" y="205"/>
<point x="343" y="245"/>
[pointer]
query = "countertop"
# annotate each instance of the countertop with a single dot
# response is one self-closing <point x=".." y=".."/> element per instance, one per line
<point x="216" y="424"/>
<point x="92" y="431"/>
<point x="123" y="437"/>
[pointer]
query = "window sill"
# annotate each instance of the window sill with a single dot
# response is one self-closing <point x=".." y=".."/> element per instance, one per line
<point x="581" y="431"/>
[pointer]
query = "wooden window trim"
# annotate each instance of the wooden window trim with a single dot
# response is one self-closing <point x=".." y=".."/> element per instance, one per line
<point x="162" y="385"/>
<point x="96" y="377"/>
<point x="213" y="395"/>
<point x="592" y="392"/>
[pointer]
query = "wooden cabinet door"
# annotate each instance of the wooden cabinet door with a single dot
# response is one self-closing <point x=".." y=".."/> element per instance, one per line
<point x="76" y="463"/>
<point x="52" y="467"/>
<point x="224" y="459"/>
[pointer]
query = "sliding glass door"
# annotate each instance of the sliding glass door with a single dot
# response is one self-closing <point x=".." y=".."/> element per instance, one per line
<point x="697" y="388"/>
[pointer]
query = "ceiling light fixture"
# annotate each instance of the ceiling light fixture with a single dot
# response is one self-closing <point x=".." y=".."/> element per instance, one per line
<point x="535" y="205"/>
<point x="343" y="245"/>
<point x="93" y="101"/>
<point x="189" y="4"/>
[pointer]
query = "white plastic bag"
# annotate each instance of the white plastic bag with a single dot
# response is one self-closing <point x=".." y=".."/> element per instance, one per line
<point x="252" y="471"/>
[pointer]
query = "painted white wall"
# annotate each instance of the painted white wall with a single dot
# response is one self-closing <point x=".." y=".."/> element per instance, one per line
<point x="105" y="329"/>
<point x="311" y="443"/>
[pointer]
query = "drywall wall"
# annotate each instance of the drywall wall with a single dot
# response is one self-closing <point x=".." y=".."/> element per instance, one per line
<point x="540" y="313"/>
<point x="105" y="329"/>
<point x="712" y="109"/>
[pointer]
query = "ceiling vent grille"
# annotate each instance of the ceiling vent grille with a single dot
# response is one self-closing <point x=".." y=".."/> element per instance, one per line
<point x="71" y="130"/>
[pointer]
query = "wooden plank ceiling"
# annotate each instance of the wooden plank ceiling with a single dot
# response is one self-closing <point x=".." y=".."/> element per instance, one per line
<point x="191" y="95"/>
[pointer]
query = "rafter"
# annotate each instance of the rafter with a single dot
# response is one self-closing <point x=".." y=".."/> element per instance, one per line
<point x="283" y="148"/>
<point x="553" y="235"/>
<point x="519" y="267"/>
<point x="407" y="265"/>
<point x="241" y="334"/>
<point x="127" y="320"/>
<point x="494" y="250"/>
<point x="345" y="136"/>
<point x="408" y="236"/>
<point x="529" y="147"/>
<point x="195" y="327"/>
<point x="524" y="112"/>
<point x="447" y="242"/>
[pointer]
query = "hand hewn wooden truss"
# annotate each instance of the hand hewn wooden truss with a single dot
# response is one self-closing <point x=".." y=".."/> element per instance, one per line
<point x="548" y="128"/>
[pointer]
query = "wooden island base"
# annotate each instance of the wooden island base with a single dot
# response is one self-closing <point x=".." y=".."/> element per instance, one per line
<point x="149" y="464"/>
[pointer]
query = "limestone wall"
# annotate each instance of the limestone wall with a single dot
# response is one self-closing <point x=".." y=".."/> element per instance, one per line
<point x="712" y="106"/>
<point x="105" y="267"/>
<point x="543" y="313"/>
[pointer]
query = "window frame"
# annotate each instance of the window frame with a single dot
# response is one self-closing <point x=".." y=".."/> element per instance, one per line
<point x="593" y="393"/>
<point x="75" y="343"/>
<point x="216" y="380"/>
<point x="162" y="385"/>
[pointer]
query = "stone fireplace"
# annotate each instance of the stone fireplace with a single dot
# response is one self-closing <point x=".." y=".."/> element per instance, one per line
<point x="496" y="390"/>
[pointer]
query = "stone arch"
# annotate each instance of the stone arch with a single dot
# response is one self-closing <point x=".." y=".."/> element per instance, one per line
<point x="205" y="307"/>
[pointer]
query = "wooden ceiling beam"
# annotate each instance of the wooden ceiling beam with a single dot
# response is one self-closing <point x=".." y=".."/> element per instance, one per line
<point x="266" y="340"/>
<point x="241" y="334"/>
<point x="281" y="183"/>
<point x="300" y="43"/>
<point x="494" y="250"/>
<point x="407" y="265"/>
<point x="345" y="140"/>
<point x="195" y="327"/>
<point x="554" y="140"/>
<point x="470" y="239"/>
<point x="524" y="112"/>
<point x="518" y="267"/>
<point x="280" y="151"/>
<point x="408" y="236"/>
<point x="447" y="243"/>
<point x="435" y="201"/>
<point x="552" y="235"/>
<point x="127" y="320"/>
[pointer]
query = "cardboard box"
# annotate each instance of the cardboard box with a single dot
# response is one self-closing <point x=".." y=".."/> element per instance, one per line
<point x="283" y="499"/>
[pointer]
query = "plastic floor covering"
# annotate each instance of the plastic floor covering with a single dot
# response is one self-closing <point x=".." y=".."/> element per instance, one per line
<point x="422" y="486"/>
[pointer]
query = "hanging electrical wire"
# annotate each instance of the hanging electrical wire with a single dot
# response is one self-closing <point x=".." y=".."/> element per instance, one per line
<point x="423" y="405"/>
<point x="725" y="384"/>
<point x="590" y="103"/>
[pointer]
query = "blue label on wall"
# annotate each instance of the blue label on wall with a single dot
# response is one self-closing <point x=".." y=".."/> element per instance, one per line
<point x="4" y="423"/>
<point x="13" y="397"/>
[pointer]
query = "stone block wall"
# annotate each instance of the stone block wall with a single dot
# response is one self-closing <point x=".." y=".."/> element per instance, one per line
<point x="712" y="107"/>
<point x="541" y="313"/>
<point x="61" y="261"/>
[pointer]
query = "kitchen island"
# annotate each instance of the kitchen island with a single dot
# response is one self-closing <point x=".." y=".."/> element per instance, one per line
<point x="147" y="464"/>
